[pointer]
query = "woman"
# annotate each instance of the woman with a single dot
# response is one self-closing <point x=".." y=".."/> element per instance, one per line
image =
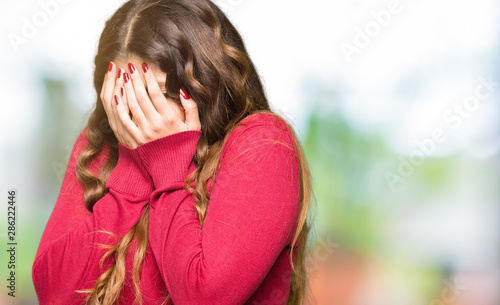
<point x="184" y="187"/>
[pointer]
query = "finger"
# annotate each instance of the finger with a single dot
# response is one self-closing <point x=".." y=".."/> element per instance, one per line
<point x="131" y="131"/>
<point x="107" y="91"/>
<point x="159" y="100"/>
<point x="117" y="91"/>
<point x="191" y="110"/>
<point x="134" y="107"/>
<point x="108" y="84"/>
<point x="141" y="95"/>
<point x="123" y="95"/>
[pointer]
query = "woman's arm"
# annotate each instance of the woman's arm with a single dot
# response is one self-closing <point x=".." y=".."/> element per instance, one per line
<point x="252" y="214"/>
<point x="68" y="253"/>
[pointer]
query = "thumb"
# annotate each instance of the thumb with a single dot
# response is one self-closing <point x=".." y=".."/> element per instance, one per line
<point x="191" y="110"/>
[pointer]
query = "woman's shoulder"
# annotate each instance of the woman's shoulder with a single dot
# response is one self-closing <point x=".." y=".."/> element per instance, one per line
<point x="262" y="124"/>
<point x="259" y="128"/>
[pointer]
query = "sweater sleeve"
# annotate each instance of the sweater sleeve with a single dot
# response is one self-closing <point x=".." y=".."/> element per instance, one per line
<point x="251" y="216"/>
<point x="68" y="258"/>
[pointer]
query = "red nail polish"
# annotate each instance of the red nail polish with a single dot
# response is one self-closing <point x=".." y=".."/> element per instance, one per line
<point x="122" y="91"/>
<point x="116" y="99"/>
<point x="126" y="77"/>
<point x="145" y="67"/>
<point x="131" y="67"/>
<point x="110" y="67"/>
<point x="184" y="94"/>
<point x="120" y="72"/>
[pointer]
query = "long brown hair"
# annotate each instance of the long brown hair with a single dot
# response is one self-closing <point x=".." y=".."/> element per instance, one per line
<point x="199" y="49"/>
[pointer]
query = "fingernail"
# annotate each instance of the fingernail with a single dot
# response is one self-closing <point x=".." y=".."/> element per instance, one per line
<point x="145" y="67"/>
<point x="131" y="67"/>
<point x="120" y="72"/>
<point x="122" y="91"/>
<point x="116" y="99"/>
<point x="110" y="67"/>
<point x="184" y="94"/>
<point x="126" y="77"/>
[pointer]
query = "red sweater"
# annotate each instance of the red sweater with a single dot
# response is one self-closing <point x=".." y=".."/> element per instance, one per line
<point x="241" y="256"/>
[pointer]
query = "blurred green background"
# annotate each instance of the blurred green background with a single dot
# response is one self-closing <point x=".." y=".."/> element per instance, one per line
<point x="396" y="104"/>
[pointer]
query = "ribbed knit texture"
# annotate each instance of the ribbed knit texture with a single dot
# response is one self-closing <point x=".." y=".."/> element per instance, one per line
<point x="167" y="159"/>
<point x="240" y="256"/>
<point x="129" y="176"/>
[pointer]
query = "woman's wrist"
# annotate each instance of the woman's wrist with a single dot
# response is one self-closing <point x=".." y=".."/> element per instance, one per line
<point x="167" y="159"/>
<point x="130" y="176"/>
